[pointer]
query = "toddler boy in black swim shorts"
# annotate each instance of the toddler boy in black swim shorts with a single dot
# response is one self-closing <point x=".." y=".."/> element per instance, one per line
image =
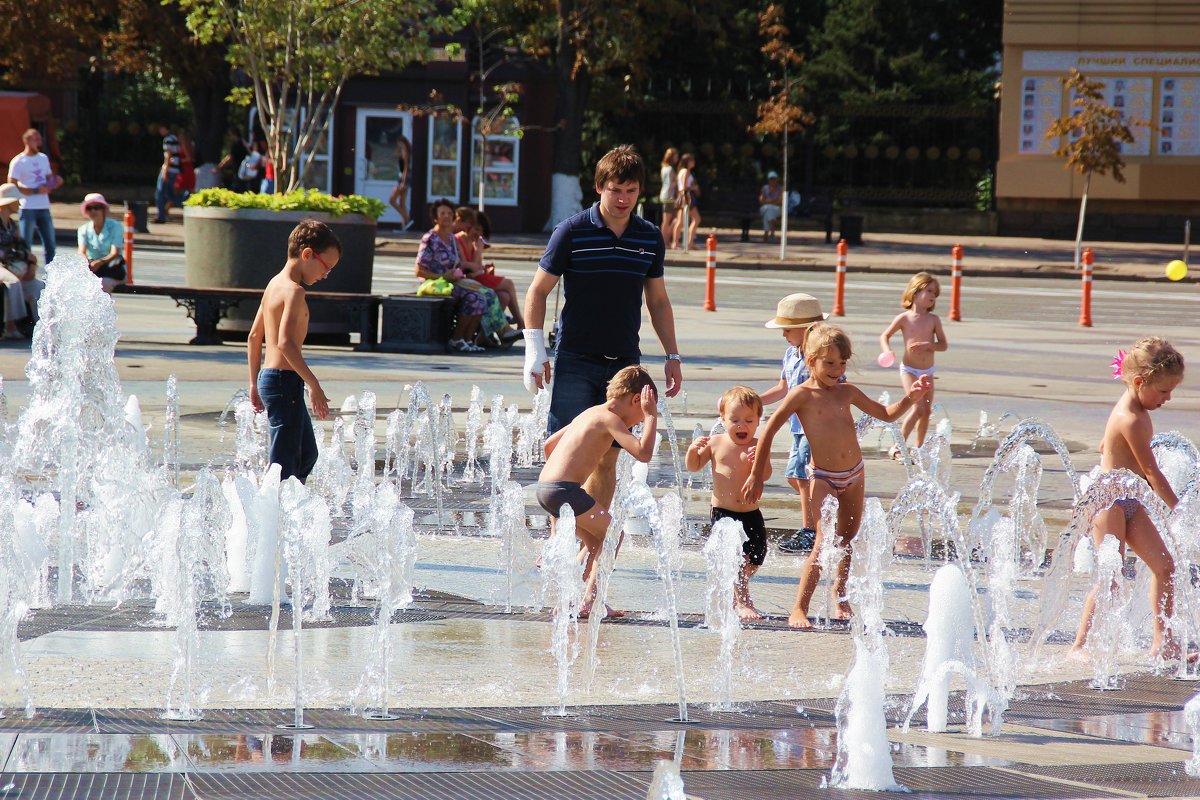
<point x="732" y="455"/>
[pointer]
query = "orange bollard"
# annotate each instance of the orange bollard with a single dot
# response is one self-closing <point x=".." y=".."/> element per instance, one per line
<point x="129" y="245"/>
<point x="839" y="295"/>
<point x="710" y="284"/>
<point x="956" y="255"/>
<point x="1085" y="307"/>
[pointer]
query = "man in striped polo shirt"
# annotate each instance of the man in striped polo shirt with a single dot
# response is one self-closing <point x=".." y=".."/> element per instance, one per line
<point x="608" y="259"/>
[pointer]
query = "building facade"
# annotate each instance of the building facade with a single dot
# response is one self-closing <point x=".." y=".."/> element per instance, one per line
<point x="1146" y="53"/>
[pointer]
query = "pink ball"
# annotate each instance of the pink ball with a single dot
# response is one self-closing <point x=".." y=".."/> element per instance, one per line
<point x="886" y="360"/>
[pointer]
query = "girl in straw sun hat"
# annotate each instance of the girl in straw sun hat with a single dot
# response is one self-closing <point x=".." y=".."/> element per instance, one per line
<point x="795" y="316"/>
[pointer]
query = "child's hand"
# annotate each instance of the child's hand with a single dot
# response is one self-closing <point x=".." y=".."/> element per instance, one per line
<point x="752" y="489"/>
<point x="320" y="403"/>
<point x="456" y="274"/>
<point x="917" y="347"/>
<point x="255" y="399"/>
<point x="920" y="387"/>
<point x="649" y="401"/>
<point x="748" y="453"/>
<point x="700" y="445"/>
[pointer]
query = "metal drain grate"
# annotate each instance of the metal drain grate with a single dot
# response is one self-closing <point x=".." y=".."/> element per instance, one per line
<point x="922" y="782"/>
<point x="50" y="720"/>
<point x="1166" y="779"/>
<point x="594" y="785"/>
<point x="98" y="786"/>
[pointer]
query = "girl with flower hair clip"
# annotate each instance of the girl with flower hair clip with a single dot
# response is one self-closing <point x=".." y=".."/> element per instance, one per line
<point x="1151" y="370"/>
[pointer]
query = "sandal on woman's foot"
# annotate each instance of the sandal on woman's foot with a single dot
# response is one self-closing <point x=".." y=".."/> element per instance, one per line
<point x="463" y="346"/>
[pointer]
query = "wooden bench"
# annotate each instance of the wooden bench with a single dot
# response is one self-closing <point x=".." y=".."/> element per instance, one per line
<point x="208" y="306"/>
<point x="740" y="207"/>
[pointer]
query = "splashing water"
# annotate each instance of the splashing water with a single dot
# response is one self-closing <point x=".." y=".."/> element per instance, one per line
<point x="667" y="783"/>
<point x="829" y="558"/>
<point x="864" y="755"/>
<point x="384" y="552"/>
<point x="949" y="642"/>
<point x="723" y="561"/>
<point x="666" y="531"/>
<point x="989" y="430"/>
<point x="562" y="590"/>
<point x="1191" y="714"/>
<point x="474" y="424"/>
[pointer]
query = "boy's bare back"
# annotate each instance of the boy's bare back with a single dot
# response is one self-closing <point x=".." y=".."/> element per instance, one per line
<point x="284" y="303"/>
<point x="1126" y="426"/>
<point x="582" y="444"/>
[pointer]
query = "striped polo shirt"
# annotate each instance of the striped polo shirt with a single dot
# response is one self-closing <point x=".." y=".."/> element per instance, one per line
<point x="603" y="277"/>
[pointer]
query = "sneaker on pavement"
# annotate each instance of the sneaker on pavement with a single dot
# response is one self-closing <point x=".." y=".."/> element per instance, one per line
<point x="799" y="542"/>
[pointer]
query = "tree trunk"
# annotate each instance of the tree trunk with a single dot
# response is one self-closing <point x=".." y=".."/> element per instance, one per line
<point x="574" y="84"/>
<point x="1087" y="184"/>
<point x="212" y="119"/>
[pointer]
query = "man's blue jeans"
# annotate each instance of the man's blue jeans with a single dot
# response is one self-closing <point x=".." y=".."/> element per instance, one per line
<point x="38" y="219"/>
<point x="164" y="192"/>
<point x="580" y="382"/>
<point x="293" y="445"/>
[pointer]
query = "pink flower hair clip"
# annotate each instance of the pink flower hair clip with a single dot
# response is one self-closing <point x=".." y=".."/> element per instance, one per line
<point x="1117" y="361"/>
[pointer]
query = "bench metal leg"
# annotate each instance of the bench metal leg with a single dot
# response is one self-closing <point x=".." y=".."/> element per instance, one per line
<point x="368" y="325"/>
<point x="206" y="312"/>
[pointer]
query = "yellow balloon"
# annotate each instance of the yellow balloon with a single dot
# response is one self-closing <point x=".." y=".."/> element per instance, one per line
<point x="1177" y="270"/>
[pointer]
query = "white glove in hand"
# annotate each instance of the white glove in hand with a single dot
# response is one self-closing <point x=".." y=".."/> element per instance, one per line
<point x="535" y="357"/>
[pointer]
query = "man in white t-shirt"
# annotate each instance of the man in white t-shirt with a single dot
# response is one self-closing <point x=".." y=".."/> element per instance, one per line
<point x="30" y="170"/>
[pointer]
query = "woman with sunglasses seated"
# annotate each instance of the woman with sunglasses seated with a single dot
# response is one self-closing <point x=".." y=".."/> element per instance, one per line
<point x="100" y="242"/>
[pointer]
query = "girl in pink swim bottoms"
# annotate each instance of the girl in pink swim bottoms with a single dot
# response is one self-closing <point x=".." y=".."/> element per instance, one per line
<point x="823" y="404"/>
<point x="923" y="336"/>
<point x="1150" y="371"/>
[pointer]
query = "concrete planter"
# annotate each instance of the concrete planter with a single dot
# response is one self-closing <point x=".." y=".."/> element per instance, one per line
<point x="245" y="248"/>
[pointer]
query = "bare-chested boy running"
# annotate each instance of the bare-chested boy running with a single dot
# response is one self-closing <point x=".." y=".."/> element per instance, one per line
<point x="574" y="451"/>
<point x="277" y="383"/>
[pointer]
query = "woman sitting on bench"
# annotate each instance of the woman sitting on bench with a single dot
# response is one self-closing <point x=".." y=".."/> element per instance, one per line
<point x="100" y="242"/>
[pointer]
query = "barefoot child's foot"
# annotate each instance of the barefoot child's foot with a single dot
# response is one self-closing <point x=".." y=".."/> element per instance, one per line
<point x="799" y="619"/>
<point x="747" y="611"/>
<point x="609" y="612"/>
<point x="844" y="611"/>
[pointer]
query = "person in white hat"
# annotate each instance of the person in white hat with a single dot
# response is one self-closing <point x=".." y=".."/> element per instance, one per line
<point x="100" y="241"/>
<point x="770" y="205"/>
<point x="796" y="315"/>
<point x="20" y="264"/>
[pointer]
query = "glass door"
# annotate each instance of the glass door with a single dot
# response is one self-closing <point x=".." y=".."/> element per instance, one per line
<point x="380" y="157"/>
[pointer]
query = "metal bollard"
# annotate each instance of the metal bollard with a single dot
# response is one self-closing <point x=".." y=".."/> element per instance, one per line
<point x="839" y="295"/>
<point x="129" y="222"/>
<point x="956" y="256"/>
<point x="710" y="283"/>
<point x="1085" y="306"/>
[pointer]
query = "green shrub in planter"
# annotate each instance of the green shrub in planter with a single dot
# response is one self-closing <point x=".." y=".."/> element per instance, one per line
<point x="239" y="240"/>
<point x="297" y="200"/>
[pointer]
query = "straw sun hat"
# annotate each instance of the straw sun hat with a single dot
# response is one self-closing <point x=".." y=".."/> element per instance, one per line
<point x="797" y="311"/>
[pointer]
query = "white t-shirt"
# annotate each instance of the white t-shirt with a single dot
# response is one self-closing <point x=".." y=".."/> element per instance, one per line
<point x="31" y="172"/>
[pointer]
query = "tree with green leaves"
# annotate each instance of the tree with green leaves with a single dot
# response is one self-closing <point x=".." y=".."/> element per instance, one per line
<point x="119" y="37"/>
<point x="299" y="54"/>
<point x="779" y="114"/>
<point x="1092" y="137"/>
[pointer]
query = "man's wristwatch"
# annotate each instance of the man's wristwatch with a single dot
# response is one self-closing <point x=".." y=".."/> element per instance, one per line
<point x="674" y="357"/>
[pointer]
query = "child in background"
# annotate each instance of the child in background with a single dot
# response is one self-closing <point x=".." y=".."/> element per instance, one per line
<point x="823" y="405"/>
<point x="923" y="336"/>
<point x="731" y="454"/>
<point x="796" y="315"/>
<point x="1150" y="371"/>
<point x="472" y="230"/>
<point x="573" y="453"/>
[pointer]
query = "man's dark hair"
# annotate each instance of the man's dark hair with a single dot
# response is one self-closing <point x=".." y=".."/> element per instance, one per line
<point x="314" y="234"/>
<point x="622" y="164"/>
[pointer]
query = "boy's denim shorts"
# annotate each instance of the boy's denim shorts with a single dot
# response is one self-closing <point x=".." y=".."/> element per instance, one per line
<point x="797" y="466"/>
